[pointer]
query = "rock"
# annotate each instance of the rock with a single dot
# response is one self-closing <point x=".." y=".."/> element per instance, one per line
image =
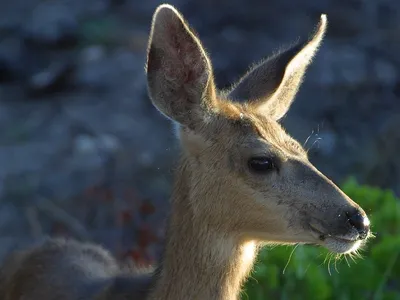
<point x="10" y="59"/>
<point x="9" y="218"/>
<point x="13" y="14"/>
<point x="100" y="70"/>
<point x="345" y="21"/>
<point x="24" y="158"/>
<point x="109" y="143"/>
<point x="389" y="137"/>
<point x="85" y="144"/>
<point x="51" y="24"/>
<point x="340" y="65"/>
<point x="386" y="74"/>
<point x="93" y="71"/>
<point x="6" y="72"/>
<point x="92" y="54"/>
<point x="50" y="79"/>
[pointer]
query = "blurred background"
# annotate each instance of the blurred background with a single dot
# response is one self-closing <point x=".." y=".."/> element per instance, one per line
<point x="84" y="154"/>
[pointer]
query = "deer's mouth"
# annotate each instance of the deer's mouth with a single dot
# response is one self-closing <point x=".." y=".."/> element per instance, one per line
<point x="336" y="243"/>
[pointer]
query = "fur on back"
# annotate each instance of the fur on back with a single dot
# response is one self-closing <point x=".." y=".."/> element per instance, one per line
<point x="66" y="269"/>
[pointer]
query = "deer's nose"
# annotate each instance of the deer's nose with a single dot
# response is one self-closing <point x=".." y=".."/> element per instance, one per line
<point x="360" y="222"/>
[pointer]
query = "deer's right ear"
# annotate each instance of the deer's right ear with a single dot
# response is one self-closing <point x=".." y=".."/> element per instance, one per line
<point x="179" y="73"/>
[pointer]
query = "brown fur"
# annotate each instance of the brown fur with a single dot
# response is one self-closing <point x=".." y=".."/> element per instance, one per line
<point x="60" y="269"/>
<point x="221" y="211"/>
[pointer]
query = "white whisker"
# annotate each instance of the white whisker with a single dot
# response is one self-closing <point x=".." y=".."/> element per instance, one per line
<point x="305" y="143"/>
<point x="290" y="257"/>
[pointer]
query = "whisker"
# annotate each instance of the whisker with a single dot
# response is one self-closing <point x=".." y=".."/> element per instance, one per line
<point x="307" y="269"/>
<point x="322" y="262"/>
<point x="290" y="257"/>
<point x="351" y="255"/>
<point x="316" y="140"/>
<point x="347" y="261"/>
<point x="326" y="257"/>
<point x="337" y="257"/>
<point x="329" y="267"/>
<point x="305" y="143"/>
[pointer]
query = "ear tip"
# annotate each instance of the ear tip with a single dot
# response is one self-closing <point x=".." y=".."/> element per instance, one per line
<point x="323" y="22"/>
<point x="323" y="19"/>
<point x="165" y="7"/>
<point x="320" y="28"/>
<point x="166" y="11"/>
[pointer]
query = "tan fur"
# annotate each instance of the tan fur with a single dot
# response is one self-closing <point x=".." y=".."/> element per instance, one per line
<point x="221" y="209"/>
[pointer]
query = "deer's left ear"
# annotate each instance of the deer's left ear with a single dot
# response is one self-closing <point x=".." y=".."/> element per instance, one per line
<point x="271" y="86"/>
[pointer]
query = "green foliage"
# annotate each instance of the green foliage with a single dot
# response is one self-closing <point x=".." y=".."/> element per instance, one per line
<point x="313" y="273"/>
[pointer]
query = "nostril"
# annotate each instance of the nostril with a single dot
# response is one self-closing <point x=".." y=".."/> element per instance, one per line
<point x="360" y="222"/>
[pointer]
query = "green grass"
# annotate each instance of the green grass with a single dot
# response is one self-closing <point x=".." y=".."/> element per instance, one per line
<point x="307" y="272"/>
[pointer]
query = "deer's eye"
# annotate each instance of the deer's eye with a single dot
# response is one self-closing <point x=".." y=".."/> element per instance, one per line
<point x="261" y="164"/>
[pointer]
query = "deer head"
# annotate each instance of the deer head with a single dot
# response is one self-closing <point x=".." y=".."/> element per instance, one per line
<point x="248" y="178"/>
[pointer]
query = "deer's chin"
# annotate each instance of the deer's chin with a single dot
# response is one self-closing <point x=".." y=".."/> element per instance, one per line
<point x="338" y="245"/>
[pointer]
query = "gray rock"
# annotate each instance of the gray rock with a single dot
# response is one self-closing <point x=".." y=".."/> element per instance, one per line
<point x="109" y="143"/>
<point x="85" y="144"/>
<point x="52" y="24"/>
<point x="51" y="78"/>
<point x="13" y="14"/>
<point x="386" y="74"/>
<point x="10" y="59"/>
<point x="24" y="158"/>
<point x="341" y="65"/>
<point x="92" y="54"/>
<point x="94" y="69"/>
<point x="90" y="145"/>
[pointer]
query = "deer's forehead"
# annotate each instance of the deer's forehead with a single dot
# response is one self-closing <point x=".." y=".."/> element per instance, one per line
<point x="259" y="133"/>
<point x="239" y="128"/>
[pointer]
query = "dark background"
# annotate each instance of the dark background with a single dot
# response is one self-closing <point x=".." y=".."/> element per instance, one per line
<point x="82" y="151"/>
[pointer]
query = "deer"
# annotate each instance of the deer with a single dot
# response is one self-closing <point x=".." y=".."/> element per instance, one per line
<point x="241" y="182"/>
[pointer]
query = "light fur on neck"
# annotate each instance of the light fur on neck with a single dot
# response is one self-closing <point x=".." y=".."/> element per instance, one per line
<point x="200" y="261"/>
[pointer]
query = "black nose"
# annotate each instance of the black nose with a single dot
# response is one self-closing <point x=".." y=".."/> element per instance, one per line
<point x="360" y="222"/>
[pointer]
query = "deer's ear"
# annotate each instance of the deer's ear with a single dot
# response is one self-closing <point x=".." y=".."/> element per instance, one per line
<point x="271" y="86"/>
<point x="179" y="72"/>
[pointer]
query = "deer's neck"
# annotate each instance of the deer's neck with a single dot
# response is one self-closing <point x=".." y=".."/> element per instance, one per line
<point x="200" y="261"/>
